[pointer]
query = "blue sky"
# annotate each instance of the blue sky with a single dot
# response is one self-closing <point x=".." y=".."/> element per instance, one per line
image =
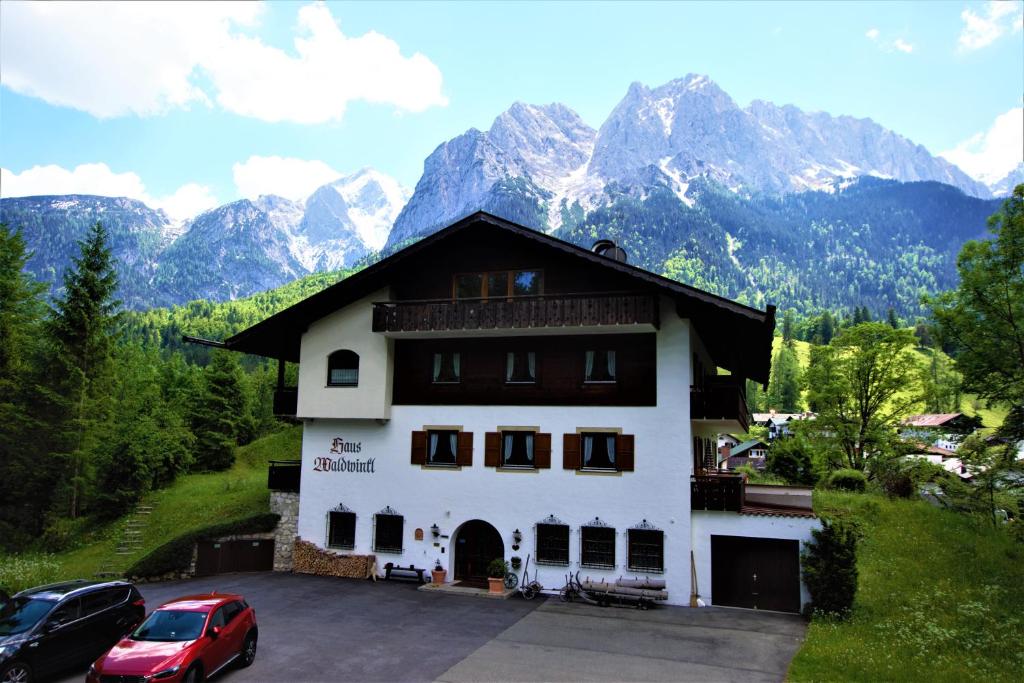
<point x="171" y="100"/>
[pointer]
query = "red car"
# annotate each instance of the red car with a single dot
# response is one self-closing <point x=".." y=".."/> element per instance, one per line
<point x="188" y="639"/>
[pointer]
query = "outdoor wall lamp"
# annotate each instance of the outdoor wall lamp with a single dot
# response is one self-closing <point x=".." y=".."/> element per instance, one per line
<point x="435" y="530"/>
<point x="517" y="536"/>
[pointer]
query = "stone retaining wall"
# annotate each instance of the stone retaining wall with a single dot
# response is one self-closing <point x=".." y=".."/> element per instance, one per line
<point x="309" y="559"/>
<point x="286" y="504"/>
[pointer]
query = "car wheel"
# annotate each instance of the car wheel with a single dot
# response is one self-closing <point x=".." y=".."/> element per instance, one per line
<point x="193" y="675"/>
<point x="248" y="653"/>
<point x="16" y="672"/>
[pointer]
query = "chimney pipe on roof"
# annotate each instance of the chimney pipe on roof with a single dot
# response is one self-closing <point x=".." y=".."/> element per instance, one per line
<point x="610" y="250"/>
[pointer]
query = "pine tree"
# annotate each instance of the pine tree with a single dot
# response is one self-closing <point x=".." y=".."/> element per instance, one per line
<point x="25" y="482"/>
<point x="891" y="318"/>
<point x="787" y="327"/>
<point x="784" y="381"/>
<point x="220" y="412"/>
<point x="82" y="327"/>
<point x="826" y="328"/>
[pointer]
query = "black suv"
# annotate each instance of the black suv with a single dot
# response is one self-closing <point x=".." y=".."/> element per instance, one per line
<point x="47" y="629"/>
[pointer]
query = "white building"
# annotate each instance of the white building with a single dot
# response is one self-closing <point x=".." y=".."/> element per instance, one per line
<point x="491" y="391"/>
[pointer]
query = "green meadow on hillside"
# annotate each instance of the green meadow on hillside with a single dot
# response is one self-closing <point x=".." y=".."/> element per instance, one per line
<point x="193" y="501"/>
<point x="940" y="598"/>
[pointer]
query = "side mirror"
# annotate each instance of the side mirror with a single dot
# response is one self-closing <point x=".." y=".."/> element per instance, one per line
<point x="213" y="632"/>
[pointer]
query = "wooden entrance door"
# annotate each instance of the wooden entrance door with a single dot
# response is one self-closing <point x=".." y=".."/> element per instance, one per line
<point x="757" y="573"/>
<point x="476" y="545"/>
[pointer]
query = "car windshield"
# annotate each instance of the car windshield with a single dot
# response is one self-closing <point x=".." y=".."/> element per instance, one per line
<point x="20" y="614"/>
<point x="169" y="624"/>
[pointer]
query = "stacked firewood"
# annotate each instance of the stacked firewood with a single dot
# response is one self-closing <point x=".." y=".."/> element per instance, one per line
<point x="309" y="559"/>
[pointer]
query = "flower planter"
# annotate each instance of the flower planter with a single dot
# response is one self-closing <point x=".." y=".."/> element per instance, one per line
<point x="496" y="585"/>
<point x="438" y="576"/>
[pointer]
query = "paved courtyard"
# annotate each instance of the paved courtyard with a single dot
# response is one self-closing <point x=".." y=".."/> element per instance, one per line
<point x="324" y="629"/>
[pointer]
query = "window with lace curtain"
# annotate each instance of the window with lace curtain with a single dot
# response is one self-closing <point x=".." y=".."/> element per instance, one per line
<point x="442" y="447"/>
<point x="598" y="451"/>
<point x="520" y="367"/>
<point x="447" y="367"/>
<point x="343" y="369"/>
<point x="599" y="366"/>
<point x="517" y="449"/>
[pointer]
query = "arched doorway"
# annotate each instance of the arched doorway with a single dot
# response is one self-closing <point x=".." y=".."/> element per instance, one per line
<point x="476" y="544"/>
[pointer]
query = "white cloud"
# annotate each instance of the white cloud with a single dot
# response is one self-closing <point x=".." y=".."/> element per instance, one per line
<point x="997" y="17"/>
<point x="148" y="58"/>
<point x="989" y="155"/>
<point x="872" y="34"/>
<point x="99" y="179"/>
<point x="293" y="179"/>
<point x="903" y="46"/>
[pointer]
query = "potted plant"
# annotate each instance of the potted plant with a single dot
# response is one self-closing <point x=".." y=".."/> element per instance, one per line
<point x="438" y="573"/>
<point x="496" y="572"/>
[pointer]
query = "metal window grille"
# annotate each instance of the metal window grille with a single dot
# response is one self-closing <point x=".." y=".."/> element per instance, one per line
<point x="597" y="547"/>
<point x="388" y="533"/>
<point x="646" y="550"/>
<point x="552" y="544"/>
<point x="341" y="530"/>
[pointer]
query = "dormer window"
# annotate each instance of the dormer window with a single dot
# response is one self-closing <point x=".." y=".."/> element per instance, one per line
<point x="599" y="366"/>
<point x="343" y="369"/>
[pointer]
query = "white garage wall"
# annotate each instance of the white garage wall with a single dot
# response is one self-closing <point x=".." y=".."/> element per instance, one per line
<point x="706" y="524"/>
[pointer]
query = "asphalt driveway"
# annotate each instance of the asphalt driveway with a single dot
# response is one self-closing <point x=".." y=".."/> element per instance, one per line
<point x="324" y="629"/>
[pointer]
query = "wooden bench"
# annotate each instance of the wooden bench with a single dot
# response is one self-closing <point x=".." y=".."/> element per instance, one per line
<point x="403" y="572"/>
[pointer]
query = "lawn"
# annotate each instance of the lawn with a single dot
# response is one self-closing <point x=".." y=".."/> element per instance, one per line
<point x="193" y="501"/>
<point x="940" y="598"/>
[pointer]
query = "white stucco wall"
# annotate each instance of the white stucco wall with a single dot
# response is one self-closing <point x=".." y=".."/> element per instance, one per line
<point x="349" y="328"/>
<point x="707" y="524"/>
<point x="657" y="491"/>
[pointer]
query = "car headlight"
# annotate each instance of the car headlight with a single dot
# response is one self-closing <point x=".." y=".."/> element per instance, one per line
<point x="166" y="673"/>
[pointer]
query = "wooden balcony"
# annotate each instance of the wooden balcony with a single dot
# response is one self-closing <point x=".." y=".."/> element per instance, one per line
<point x="545" y="311"/>
<point x="286" y="402"/>
<point x="721" y="399"/>
<point x="724" y="492"/>
<point x="284" y="475"/>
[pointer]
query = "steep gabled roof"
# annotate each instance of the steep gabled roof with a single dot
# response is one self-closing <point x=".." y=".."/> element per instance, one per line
<point x="738" y="337"/>
<point x="746" y="446"/>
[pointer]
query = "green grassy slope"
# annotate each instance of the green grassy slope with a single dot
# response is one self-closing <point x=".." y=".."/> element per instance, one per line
<point x="193" y="501"/>
<point x="940" y="598"/>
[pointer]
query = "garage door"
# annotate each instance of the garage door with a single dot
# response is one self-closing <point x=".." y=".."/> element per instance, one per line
<point x="218" y="557"/>
<point x="757" y="573"/>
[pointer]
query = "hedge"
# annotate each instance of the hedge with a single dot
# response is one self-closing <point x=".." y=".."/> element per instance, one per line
<point x="847" y="480"/>
<point x="176" y="554"/>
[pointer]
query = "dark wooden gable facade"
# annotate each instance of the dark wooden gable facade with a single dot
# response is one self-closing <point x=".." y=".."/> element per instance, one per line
<point x="737" y="337"/>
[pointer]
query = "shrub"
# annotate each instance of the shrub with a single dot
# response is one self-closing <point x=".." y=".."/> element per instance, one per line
<point x="790" y="458"/>
<point x="829" y="566"/>
<point x="847" y="480"/>
<point x="176" y="554"/>
<point x="497" y="569"/>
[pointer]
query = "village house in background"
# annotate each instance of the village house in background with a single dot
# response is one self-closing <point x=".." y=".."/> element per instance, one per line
<point x="778" y="424"/>
<point x="492" y="392"/>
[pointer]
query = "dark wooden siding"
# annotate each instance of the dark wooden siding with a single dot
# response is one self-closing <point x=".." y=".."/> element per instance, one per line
<point x="560" y="371"/>
<point x="496" y="251"/>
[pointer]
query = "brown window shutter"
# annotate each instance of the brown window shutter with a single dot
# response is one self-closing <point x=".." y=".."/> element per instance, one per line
<point x="542" y="451"/>
<point x="624" y="452"/>
<point x="464" y="457"/>
<point x="492" y="449"/>
<point x="571" y="451"/>
<point x="419" y="448"/>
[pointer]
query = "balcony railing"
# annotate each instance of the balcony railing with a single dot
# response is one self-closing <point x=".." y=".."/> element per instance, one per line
<point x="286" y="402"/>
<point x="721" y="398"/>
<point x="723" y="492"/>
<point x="549" y="310"/>
<point x="284" y="475"/>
